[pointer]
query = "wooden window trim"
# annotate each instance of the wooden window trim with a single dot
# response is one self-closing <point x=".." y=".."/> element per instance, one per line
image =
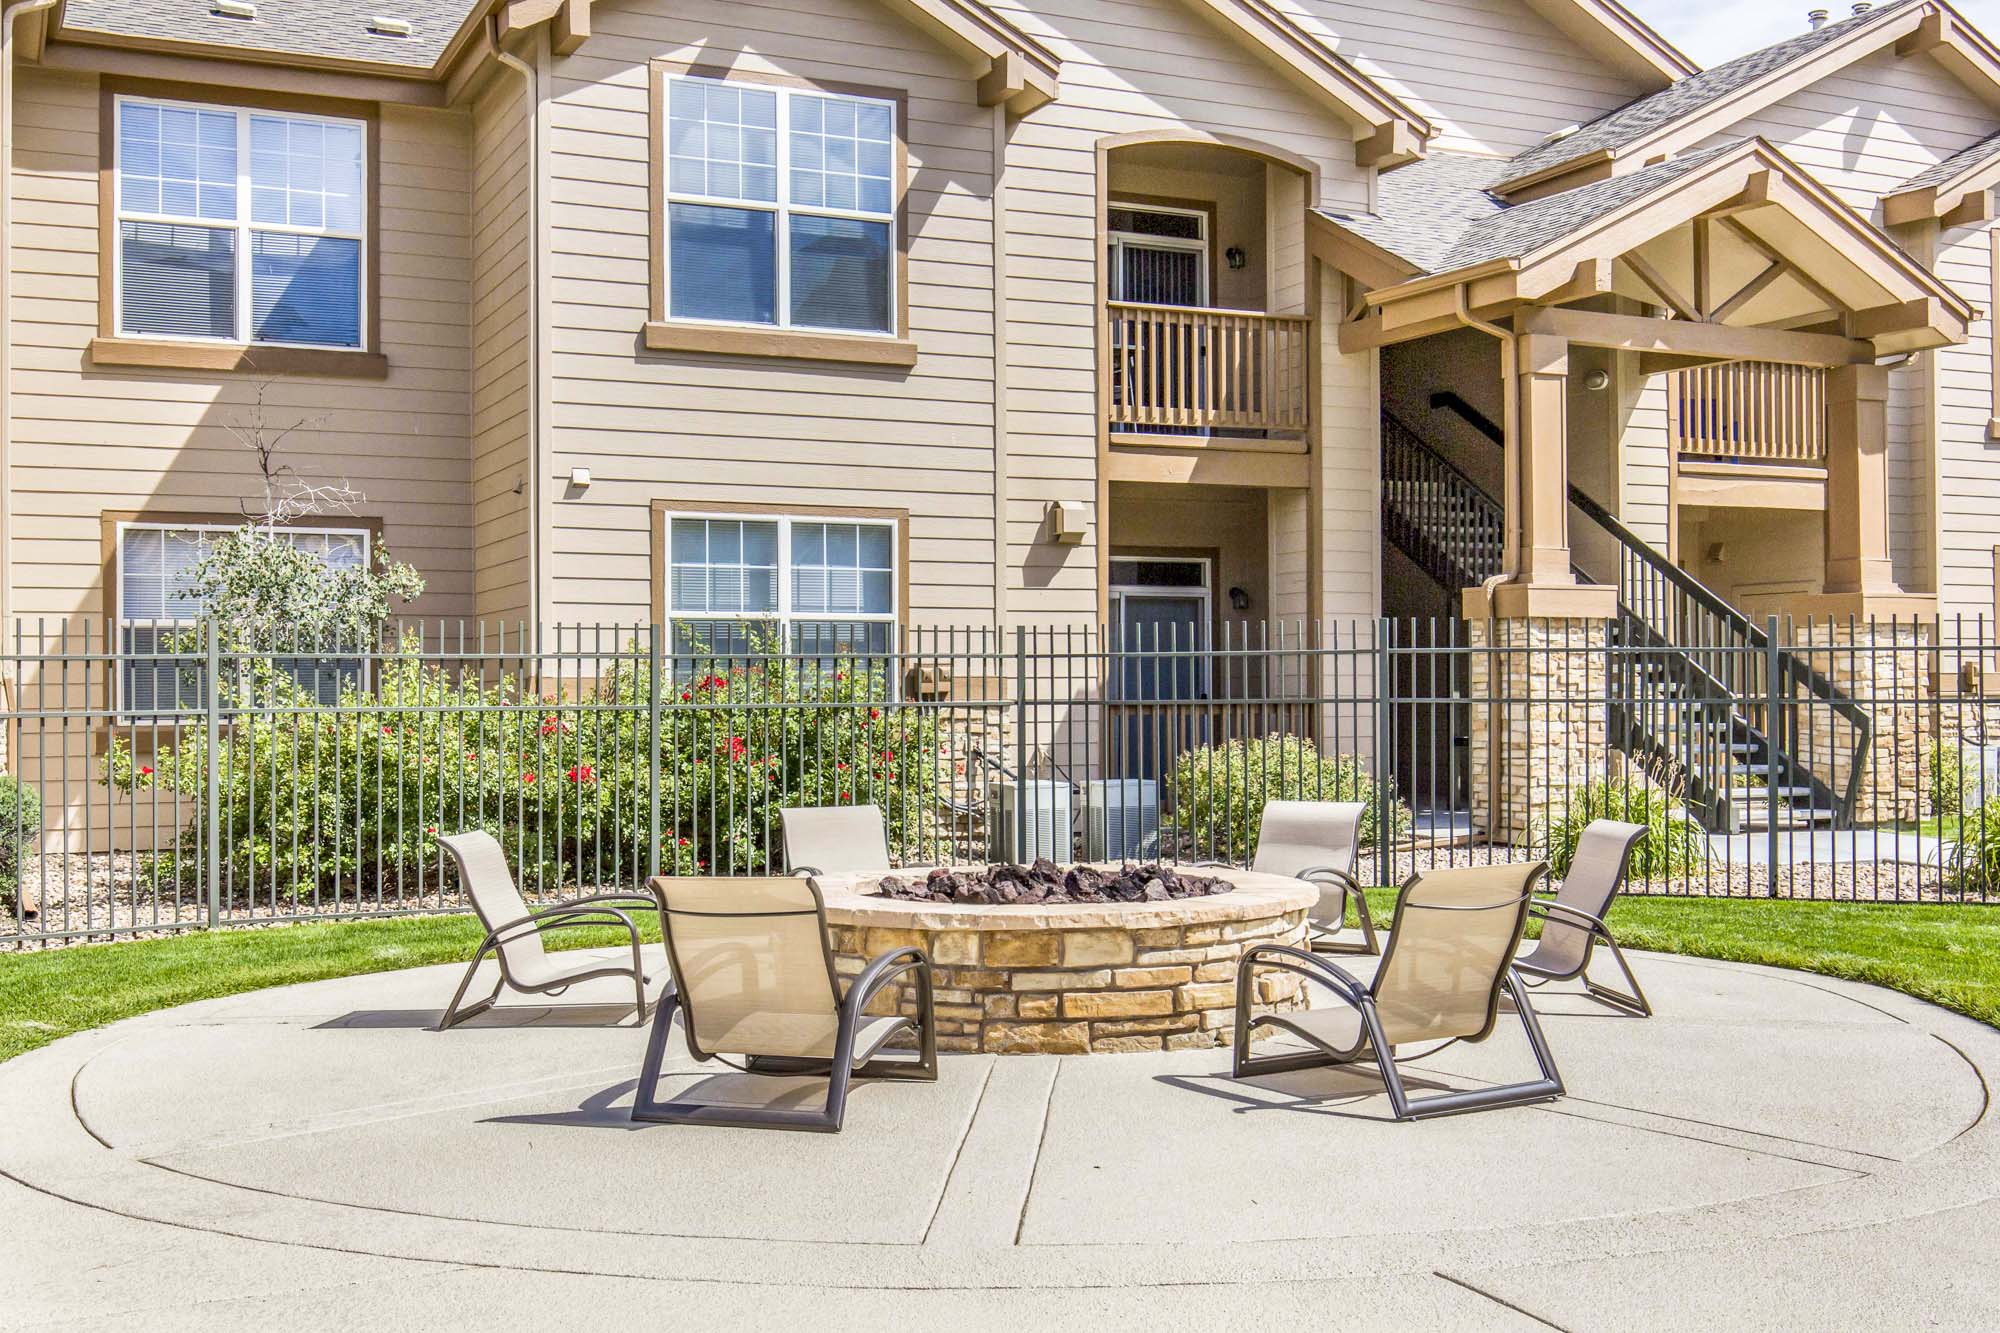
<point x="141" y="735"/>
<point x="111" y="350"/>
<point x="664" y="334"/>
<point x="662" y="510"/>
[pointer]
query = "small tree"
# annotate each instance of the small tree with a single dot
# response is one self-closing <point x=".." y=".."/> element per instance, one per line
<point x="267" y="593"/>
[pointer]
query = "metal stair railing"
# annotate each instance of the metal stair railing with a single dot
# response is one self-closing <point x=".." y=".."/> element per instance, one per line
<point x="1683" y="617"/>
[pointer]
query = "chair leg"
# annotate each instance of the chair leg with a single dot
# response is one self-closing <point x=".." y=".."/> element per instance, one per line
<point x="1632" y="1002"/>
<point x="1322" y="936"/>
<point x="453" y="1015"/>
<point x="1544" y="1089"/>
<point x="645" y="1103"/>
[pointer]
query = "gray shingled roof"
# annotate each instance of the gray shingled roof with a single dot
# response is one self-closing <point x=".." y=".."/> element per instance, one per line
<point x="1958" y="163"/>
<point x="1444" y="219"/>
<point x="1423" y="208"/>
<point x="331" y="29"/>
<point x="1684" y="98"/>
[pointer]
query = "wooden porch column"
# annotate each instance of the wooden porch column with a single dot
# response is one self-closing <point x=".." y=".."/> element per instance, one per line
<point x="1857" y="481"/>
<point x="1543" y="458"/>
<point x="1541" y="582"/>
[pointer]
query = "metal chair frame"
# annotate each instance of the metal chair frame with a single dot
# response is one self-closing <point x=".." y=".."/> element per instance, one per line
<point x="840" y="1070"/>
<point x="1633" y="1001"/>
<point x="1371" y="1043"/>
<point x="597" y="910"/>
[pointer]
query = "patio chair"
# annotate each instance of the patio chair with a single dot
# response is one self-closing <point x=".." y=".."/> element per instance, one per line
<point x="514" y="933"/>
<point x="1318" y="842"/>
<point x="1440" y="979"/>
<point x="753" y="976"/>
<point x="1573" y="922"/>
<point x="835" y="840"/>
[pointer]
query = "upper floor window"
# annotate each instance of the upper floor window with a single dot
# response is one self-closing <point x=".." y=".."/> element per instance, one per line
<point x="781" y="207"/>
<point x="238" y="225"/>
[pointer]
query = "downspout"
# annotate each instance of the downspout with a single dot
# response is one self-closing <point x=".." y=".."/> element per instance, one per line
<point x="8" y="18"/>
<point x="1001" y="423"/>
<point x="536" y="380"/>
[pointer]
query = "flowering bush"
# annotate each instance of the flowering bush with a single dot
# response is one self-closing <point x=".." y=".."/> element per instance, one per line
<point x="334" y="798"/>
<point x="1220" y="791"/>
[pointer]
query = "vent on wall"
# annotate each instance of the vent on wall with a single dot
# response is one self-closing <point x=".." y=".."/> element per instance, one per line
<point x="383" y="26"/>
<point x="233" y="9"/>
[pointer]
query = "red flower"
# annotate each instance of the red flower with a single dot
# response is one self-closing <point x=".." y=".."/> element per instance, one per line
<point x="874" y="713"/>
<point x="842" y="765"/>
<point x="686" y="697"/>
<point x="388" y="730"/>
<point x="145" y="770"/>
<point x="527" y="777"/>
<point x="737" y="749"/>
<point x="431" y="828"/>
<point x="582" y="773"/>
<point x="887" y="755"/>
<point x="684" y="842"/>
<point x="847" y="796"/>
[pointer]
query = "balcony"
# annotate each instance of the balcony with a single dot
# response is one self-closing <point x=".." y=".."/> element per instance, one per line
<point x="1750" y="434"/>
<point x="1195" y="370"/>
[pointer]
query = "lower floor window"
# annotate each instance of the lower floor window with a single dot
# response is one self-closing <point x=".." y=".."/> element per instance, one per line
<point x="157" y="605"/>
<point x="819" y="587"/>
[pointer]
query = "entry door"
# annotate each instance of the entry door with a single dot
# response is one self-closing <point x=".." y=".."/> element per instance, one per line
<point x="1161" y="610"/>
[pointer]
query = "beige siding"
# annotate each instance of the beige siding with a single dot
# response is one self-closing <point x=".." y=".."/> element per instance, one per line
<point x="87" y="439"/>
<point x="1966" y="485"/>
<point x="1127" y="67"/>
<point x="688" y="427"/>
<point x="1862" y="132"/>
<point x="502" y="374"/>
<point x="1642" y="500"/>
<point x="1492" y="75"/>
<point x="1350" y="475"/>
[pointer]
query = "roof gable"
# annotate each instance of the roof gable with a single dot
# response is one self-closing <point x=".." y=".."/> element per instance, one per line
<point x="1707" y="103"/>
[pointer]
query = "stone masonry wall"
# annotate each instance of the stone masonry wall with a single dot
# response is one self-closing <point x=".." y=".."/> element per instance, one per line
<point x="1536" y="691"/>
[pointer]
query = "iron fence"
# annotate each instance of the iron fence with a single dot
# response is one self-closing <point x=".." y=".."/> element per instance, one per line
<point x="195" y="786"/>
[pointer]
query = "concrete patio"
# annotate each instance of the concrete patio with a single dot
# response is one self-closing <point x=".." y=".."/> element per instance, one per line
<point x="1774" y="1150"/>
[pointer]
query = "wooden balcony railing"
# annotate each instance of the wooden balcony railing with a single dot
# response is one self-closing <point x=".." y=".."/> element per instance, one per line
<point x="1181" y="368"/>
<point x="1752" y="411"/>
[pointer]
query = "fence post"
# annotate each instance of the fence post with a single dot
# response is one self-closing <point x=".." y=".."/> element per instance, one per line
<point x="1021" y="744"/>
<point x="1385" y="730"/>
<point x="655" y="692"/>
<point x="212" y="777"/>
<point x="1774" y="745"/>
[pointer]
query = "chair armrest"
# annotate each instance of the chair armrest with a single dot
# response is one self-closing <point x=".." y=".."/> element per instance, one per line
<point x="1312" y="966"/>
<point x="807" y="871"/>
<point x="1577" y="916"/>
<point x="881" y="970"/>
<point x="1214" y="865"/>
<point x="1313" y="874"/>
<point x="562" y="919"/>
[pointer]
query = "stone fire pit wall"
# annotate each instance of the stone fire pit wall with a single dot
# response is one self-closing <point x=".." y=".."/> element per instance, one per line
<point x="1076" y="979"/>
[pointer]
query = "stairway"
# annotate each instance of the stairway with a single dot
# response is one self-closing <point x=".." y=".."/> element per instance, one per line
<point x="1691" y="678"/>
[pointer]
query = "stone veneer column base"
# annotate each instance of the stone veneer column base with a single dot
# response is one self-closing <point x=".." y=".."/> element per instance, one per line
<point x="1537" y="692"/>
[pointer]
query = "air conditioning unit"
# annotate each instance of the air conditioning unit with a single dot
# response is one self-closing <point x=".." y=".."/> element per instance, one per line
<point x="1121" y="819"/>
<point x="1051" y="813"/>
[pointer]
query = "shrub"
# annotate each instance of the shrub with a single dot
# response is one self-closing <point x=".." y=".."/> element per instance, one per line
<point x="20" y="828"/>
<point x="314" y="798"/>
<point x="1673" y="845"/>
<point x="1954" y="779"/>
<point x="1219" y="791"/>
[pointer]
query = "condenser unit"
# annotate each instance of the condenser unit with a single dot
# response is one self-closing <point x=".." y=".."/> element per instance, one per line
<point x="1050" y="813"/>
<point x="1121" y="819"/>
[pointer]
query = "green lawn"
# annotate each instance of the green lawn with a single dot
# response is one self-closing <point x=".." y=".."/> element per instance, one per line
<point x="1946" y="954"/>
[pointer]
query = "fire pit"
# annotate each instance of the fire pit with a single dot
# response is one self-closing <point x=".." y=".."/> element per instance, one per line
<point x="1083" y="968"/>
<point x="1047" y="882"/>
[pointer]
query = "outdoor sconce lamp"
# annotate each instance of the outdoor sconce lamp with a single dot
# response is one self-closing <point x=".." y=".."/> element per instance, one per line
<point x="1234" y="254"/>
<point x="1597" y="381"/>
<point x="1239" y="600"/>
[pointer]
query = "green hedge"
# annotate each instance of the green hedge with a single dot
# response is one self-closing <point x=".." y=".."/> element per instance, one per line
<point x="20" y="826"/>
<point x="1219" y="791"/>
<point x="316" y="797"/>
<point x="1673" y="844"/>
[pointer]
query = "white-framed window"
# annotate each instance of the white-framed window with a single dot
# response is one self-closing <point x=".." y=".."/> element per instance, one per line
<point x="781" y="207"/>
<point x="156" y="563"/>
<point x="239" y="225"/>
<point x="740" y="583"/>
